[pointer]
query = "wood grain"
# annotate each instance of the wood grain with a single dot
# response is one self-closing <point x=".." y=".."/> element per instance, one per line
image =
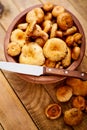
<point x="80" y="7"/>
<point x="35" y="98"/>
<point x="1" y="127"/>
<point x="23" y="4"/>
<point x="12" y="113"/>
<point x="10" y="12"/>
<point x="2" y="35"/>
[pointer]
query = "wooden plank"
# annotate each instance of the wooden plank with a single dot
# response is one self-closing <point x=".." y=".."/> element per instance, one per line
<point x="23" y="4"/>
<point x="80" y="7"/>
<point x="35" y="98"/>
<point x="9" y="13"/>
<point x="12" y="113"/>
<point x="1" y="127"/>
<point x="2" y="35"/>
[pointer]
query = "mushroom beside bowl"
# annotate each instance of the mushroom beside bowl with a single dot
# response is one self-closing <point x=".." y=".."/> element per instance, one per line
<point x="44" y="79"/>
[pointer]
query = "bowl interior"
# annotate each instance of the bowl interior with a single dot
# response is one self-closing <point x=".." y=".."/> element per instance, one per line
<point x="42" y="79"/>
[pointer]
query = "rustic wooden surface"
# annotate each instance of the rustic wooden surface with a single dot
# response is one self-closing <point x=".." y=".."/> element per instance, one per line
<point x="22" y="103"/>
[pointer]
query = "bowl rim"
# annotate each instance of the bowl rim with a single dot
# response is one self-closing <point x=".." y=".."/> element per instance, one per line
<point x="43" y="79"/>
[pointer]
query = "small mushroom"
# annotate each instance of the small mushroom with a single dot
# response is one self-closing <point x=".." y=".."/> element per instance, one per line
<point x="79" y="102"/>
<point x="38" y="32"/>
<point x="48" y="6"/>
<point x="14" y="49"/>
<point x="70" y="41"/>
<point x="67" y="60"/>
<point x="50" y="63"/>
<point x="22" y="26"/>
<point x="47" y="25"/>
<point x="73" y="116"/>
<point x="77" y="37"/>
<point x="59" y="34"/>
<point x="53" y="111"/>
<point x="75" y="52"/>
<point x="78" y="86"/>
<point x="64" y="93"/>
<point x="71" y="30"/>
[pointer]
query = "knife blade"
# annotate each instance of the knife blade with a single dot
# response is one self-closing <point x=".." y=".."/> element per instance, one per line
<point x="40" y="70"/>
<point x="22" y="68"/>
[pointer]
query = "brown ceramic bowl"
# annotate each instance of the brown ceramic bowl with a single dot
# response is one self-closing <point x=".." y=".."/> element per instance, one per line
<point x="42" y="79"/>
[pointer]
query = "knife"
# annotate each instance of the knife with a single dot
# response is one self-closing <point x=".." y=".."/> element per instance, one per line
<point x="40" y="70"/>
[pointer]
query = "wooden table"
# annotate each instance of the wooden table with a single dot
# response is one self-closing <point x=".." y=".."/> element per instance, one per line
<point x="22" y="103"/>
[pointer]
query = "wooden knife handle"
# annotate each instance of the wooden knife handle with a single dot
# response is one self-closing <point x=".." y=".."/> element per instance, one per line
<point x="65" y="72"/>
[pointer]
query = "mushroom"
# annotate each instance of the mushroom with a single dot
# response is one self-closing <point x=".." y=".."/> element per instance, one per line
<point x="78" y="86"/>
<point x="53" y="111"/>
<point x="79" y="102"/>
<point x="64" y="93"/>
<point x="73" y="116"/>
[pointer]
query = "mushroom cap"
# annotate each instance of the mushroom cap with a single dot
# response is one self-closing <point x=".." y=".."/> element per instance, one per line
<point x="64" y="93"/>
<point x="53" y="111"/>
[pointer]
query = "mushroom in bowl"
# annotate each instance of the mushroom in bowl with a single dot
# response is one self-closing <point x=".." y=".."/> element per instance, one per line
<point x="45" y="36"/>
